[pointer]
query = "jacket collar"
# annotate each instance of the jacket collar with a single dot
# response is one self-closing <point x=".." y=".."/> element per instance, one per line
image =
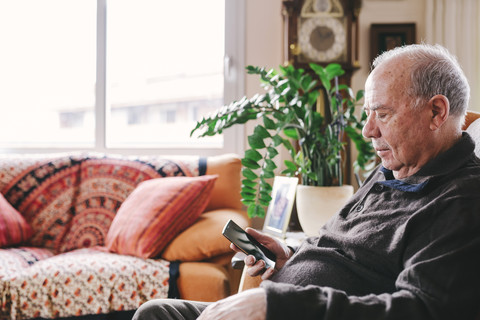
<point x="443" y="164"/>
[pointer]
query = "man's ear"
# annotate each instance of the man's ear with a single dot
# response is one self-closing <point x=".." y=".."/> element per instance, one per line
<point x="440" y="109"/>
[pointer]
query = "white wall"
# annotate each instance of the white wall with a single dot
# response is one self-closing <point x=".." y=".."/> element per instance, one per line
<point x="385" y="11"/>
<point x="263" y="43"/>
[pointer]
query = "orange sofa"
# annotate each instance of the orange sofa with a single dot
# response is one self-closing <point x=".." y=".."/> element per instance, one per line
<point x="57" y="212"/>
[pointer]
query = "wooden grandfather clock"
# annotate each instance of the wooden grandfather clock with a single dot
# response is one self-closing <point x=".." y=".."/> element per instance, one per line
<point x="322" y="31"/>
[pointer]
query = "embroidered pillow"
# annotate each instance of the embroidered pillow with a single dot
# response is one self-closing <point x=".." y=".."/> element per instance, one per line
<point x="13" y="227"/>
<point x="155" y="212"/>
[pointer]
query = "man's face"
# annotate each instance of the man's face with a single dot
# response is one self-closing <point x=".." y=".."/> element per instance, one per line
<point x="399" y="133"/>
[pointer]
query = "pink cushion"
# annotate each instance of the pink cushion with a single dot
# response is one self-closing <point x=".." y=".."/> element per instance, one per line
<point x="155" y="212"/>
<point x="13" y="227"/>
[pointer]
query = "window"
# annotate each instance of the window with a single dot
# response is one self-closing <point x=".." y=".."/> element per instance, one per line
<point x="123" y="75"/>
<point x="47" y="73"/>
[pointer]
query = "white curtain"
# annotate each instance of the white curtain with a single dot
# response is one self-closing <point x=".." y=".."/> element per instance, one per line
<point x="455" y="24"/>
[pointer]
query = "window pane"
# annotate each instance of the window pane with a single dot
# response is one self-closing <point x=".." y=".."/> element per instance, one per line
<point x="164" y="71"/>
<point x="47" y="73"/>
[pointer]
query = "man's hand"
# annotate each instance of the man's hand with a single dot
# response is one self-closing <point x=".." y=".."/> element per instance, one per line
<point x="281" y="251"/>
<point x="250" y="304"/>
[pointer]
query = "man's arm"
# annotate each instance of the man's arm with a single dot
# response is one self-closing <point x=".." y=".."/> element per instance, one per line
<point x="250" y="304"/>
<point x="281" y="251"/>
<point x="440" y="277"/>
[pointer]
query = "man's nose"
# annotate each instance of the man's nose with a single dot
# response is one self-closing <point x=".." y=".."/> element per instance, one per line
<point x="370" y="129"/>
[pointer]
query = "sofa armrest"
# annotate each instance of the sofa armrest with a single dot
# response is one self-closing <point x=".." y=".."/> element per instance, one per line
<point x="237" y="261"/>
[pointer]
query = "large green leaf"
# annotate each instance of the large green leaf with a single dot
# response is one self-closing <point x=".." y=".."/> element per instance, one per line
<point x="256" y="142"/>
<point x="253" y="154"/>
<point x="291" y="133"/>
<point x="261" y="132"/>
<point x="334" y="70"/>
<point x="249" y="174"/>
<point x="270" y="165"/>
<point x="272" y="152"/>
<point x="248" y="195"/>
<point x="255" y="211"/>
<point x="269" y="123"/>
<point x="248" y="183"/>
<point x="249" y="163"/>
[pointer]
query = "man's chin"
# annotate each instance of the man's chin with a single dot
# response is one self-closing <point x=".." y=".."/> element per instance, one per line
<point x="387" y="164"/>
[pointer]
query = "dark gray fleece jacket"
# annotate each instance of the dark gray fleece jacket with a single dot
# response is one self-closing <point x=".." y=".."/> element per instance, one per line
<point x="400" y="249"/>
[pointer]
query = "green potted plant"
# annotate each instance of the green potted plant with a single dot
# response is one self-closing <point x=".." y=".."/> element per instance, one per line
<point x="286" y="114"/>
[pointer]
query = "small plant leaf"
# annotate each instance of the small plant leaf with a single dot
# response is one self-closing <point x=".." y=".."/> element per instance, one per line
<point x="249" y="174"/>
<point x="256" y="142"/>
<point x="253" y="154"/>
<point x="249" y="163"/>
<point x="291" y="133"/>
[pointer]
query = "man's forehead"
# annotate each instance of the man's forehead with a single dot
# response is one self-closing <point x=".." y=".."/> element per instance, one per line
<point x="375" y="107"/>
<point x="395" y="69"/>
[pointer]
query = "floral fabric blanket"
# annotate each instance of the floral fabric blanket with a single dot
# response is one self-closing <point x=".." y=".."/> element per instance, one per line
<point x="35" y="283"/>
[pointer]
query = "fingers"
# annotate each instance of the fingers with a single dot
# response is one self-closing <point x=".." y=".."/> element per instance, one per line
<point x="259" y="270"/>
<point x="255" y="269"/>
<point x="268" y="273"/>
<point x="260" y="236"/>
<point x="250" y="261"/>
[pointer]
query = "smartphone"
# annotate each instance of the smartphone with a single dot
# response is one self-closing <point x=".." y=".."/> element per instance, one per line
<point x="248" y="244"/>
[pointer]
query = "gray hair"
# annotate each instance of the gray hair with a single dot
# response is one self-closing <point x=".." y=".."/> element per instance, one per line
<point x="434" y="71"/>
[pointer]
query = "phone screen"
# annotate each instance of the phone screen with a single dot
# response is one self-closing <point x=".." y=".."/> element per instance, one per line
<point x="248" y="244"/>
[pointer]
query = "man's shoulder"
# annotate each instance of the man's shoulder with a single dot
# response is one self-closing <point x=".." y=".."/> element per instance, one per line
<point x="465" y="181"/>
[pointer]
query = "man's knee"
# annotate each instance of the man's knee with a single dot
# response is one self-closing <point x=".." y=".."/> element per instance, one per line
<point x="153" y="309"/>
<point x="169" y="309"/>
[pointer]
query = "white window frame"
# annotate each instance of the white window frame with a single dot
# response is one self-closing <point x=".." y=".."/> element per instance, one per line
<point x="233" y="90"/>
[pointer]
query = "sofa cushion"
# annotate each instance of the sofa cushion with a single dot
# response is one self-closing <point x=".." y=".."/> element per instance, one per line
<point x="226" y="193"/>
<point x="13" y="227"/>
<point x="204" y="239"/>
<point x="155" y="212"/>
<point x="83" y="282"/>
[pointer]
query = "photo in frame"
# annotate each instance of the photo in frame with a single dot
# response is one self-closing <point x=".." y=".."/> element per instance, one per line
<point x="384" y="37"/>
<point x="280" y="208"/>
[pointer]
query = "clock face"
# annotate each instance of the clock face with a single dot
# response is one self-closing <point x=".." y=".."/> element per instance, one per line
<point x="322" y="39"/>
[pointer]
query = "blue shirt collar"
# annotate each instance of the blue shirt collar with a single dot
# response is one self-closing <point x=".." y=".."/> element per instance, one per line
<point x="393" y="183"/>
<point x="445" y="163"/>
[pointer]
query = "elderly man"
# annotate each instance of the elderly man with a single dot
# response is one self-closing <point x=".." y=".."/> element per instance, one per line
<point x="407" y="245"/>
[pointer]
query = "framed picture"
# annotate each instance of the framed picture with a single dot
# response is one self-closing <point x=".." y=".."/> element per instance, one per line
<point x="384" y="37"/>
<point x="280" y="208"/>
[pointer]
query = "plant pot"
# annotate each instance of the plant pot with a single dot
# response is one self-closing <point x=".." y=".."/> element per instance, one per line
<point x="316" y="205"/>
